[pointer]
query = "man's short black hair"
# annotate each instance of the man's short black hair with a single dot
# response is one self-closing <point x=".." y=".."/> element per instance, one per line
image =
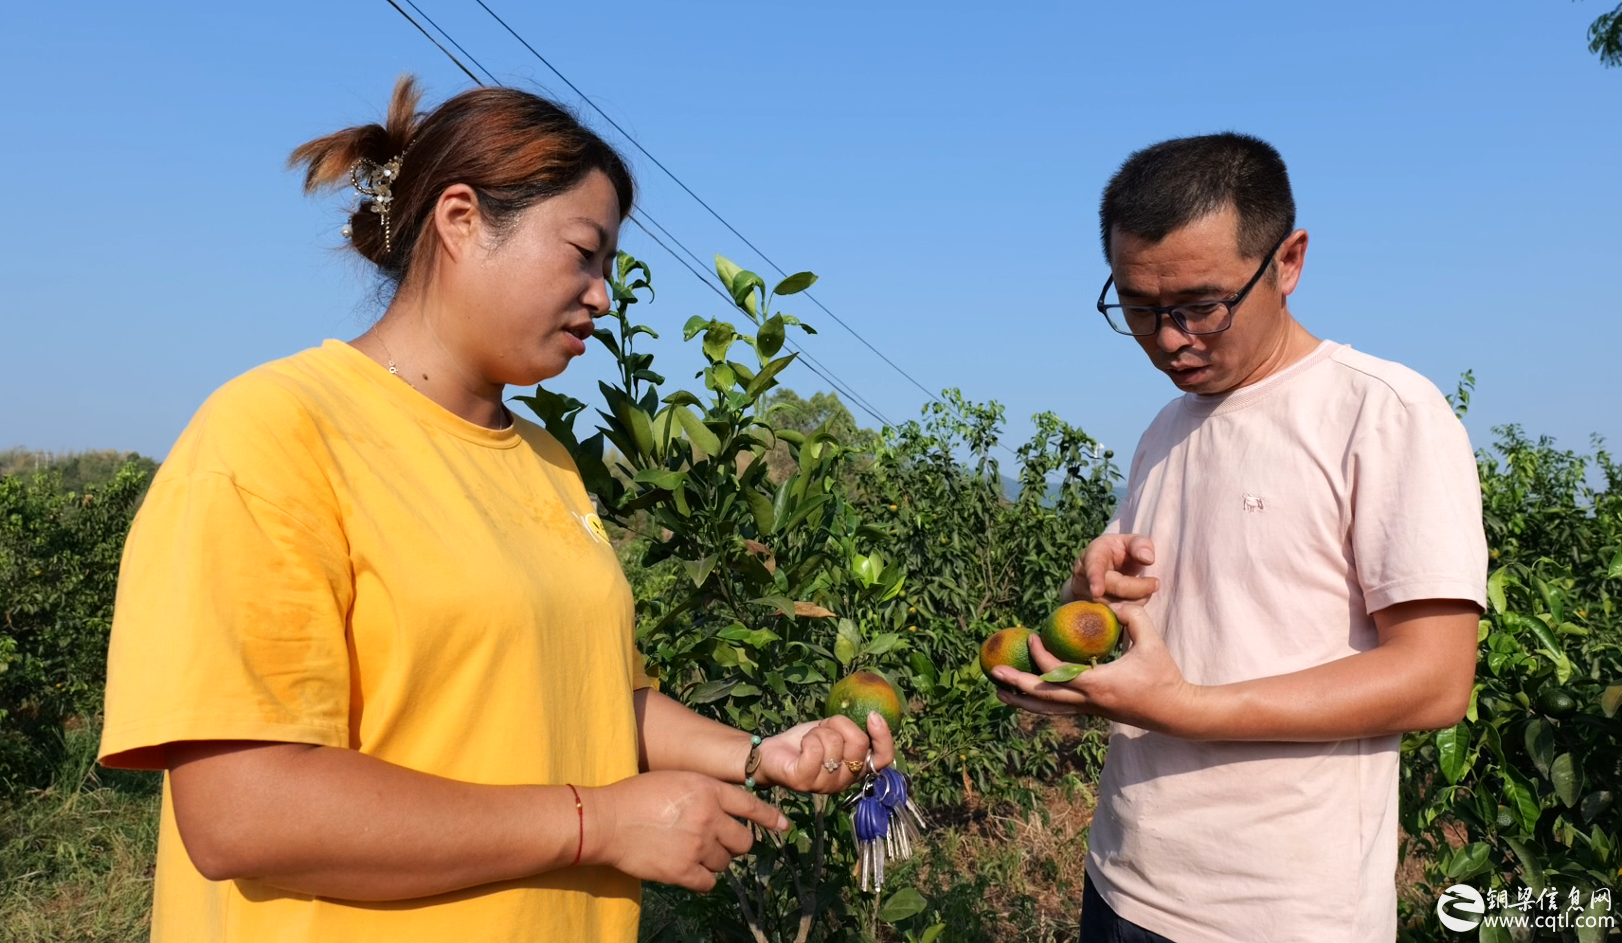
<point x="1166" y="186"/>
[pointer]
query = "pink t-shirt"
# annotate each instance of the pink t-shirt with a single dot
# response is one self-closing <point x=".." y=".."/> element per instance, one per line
<point x="1282" y="515"/>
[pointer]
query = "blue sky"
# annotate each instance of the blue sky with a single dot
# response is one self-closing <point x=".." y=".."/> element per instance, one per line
<point x="937" y="164"/>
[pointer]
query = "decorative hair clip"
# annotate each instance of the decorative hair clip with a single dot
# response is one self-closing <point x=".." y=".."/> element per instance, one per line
<point x="376" y="182"/>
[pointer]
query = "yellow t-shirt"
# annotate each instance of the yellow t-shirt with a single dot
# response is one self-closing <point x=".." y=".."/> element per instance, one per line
<point x="329" y="557"/>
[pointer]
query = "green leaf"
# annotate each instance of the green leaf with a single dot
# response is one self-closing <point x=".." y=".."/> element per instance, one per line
<point x="1596" y="922"/>
<point x="1567" y="778"/>
<point x="845" y="650"/>
<point x="849" y="642"/>
<point x="718" y="340"/>
<point x="721" y="377"/>
<point x="1469" y="861"/>
<point x="1452" y="751"/>
<point x="694" y="324"/>
<point x="759" y="383"/>
<point x="1495" y="589"/>
<point x="1492" y="933"/>
<point x="1540" y="744"/>
<point x="743" y="287"/>
<point x="782" y="604"/>
<point x="1615" y="572"/>
<point x="727" y="270"/>
<point x="805" y="510"/>
<point x="1531" y="872"/>
<point x="682" y="398"/>
<point x="932" y="933"/>
<point x="1470" y="712"/>
<point x="1549" y="644"/>
<point x="769" y="339"/>
<point x="698" y="433"/>
<point x="883" y="643"/>
<point x="795" y="284"/>
<point x="905" y="903"/>
<point x="710" y="691"/>
<point x="1523" y="800"/>
<point x="1064" y="674"/>
<point x="700" y="570"/>
<point x="761" y="508"/>
<point x="1594" y="803"/>
<point x="661" y="478"/>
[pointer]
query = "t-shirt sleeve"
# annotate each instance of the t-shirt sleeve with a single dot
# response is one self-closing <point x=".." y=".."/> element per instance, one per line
<point x="229" y="622"/>
<point x="1416" y="507"/>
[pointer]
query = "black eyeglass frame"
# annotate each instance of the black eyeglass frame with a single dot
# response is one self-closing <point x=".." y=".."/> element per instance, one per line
<point x="1171" y="311"/>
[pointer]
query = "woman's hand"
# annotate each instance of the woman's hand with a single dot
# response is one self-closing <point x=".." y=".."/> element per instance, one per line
<point x="824" y="755"/>
<point x="674" y="828"/>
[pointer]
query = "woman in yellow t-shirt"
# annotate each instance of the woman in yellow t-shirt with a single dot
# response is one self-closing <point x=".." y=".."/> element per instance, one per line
<point x="368" y="621"/>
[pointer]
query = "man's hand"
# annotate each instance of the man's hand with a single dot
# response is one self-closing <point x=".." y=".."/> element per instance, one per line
<point x="1143" y="687"/>
<point x="797" y="758"/>
<point x="1417" y="678"/>
<point x="1109" y="569"/>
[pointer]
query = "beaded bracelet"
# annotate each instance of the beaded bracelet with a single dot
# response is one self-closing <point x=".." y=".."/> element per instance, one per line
<point x="580" y="812"/>
<point x="753" y="763"/>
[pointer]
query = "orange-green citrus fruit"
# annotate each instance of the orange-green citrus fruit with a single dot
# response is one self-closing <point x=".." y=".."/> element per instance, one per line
<point x="862" y="692"/>
<point x="1079" y="632"/>
<point x="1011" y="647"/>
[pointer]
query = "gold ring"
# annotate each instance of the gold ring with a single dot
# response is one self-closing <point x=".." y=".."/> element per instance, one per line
<point x="855" y="767"/>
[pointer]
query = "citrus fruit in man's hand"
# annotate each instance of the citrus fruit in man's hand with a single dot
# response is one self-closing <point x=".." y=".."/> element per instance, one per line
<point x="862" y="692"/>
<point x="1011" y="647"/>
<point x="1080" y="632"/>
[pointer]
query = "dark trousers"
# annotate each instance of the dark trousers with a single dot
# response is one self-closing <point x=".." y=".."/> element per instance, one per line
<point x="1100" y="924"/>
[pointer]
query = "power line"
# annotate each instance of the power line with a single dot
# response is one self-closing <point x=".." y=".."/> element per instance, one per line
<point x="488" y="74"/>
<point x="811" y="363"/>
<point x="638" y="145"/>
<point x="431" y="39"/>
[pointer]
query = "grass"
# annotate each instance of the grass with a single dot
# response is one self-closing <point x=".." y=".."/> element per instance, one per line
<point x="77" y="858"/>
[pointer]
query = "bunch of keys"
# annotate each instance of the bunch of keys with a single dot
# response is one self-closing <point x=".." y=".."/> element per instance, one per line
<point x="886" y="821"/>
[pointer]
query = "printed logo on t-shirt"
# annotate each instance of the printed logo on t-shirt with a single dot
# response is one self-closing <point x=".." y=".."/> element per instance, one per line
<point x="1255" y="502"/>
<point x="594" y="526"/>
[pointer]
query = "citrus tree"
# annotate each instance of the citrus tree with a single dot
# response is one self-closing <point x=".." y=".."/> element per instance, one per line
<point x="1520" y="797"/>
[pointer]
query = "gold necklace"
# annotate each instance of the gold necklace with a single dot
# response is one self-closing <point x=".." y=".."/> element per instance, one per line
<point x="392" y="368"/>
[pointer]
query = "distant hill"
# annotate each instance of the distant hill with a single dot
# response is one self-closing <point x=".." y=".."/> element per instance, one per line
<point x="1010" y="487"/>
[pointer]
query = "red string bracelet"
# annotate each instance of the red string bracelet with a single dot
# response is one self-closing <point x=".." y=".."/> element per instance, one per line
<point x="580" y="811"/>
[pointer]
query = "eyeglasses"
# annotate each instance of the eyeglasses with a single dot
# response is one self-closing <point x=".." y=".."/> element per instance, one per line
<point x="1198" y="317"/>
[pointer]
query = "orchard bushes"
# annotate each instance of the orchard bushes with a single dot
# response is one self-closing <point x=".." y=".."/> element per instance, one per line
<point x="771" y="558"/>
<point x="59" y="553"/>
<point x="1520" y="798"/>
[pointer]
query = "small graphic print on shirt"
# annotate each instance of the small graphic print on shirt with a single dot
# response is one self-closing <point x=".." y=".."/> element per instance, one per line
<point x="1254" y="502"/>
<point x="594" y="526"/>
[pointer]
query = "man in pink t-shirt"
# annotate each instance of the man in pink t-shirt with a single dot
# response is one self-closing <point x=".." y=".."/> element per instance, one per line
<point x="1300" y="565"/>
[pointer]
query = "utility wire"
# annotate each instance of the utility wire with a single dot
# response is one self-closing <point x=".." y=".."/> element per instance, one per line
<point x="452" y="40"/>
<point x="810" y="362"/>
<point x="431" y="39"/>
<point x="635" y="143"/>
